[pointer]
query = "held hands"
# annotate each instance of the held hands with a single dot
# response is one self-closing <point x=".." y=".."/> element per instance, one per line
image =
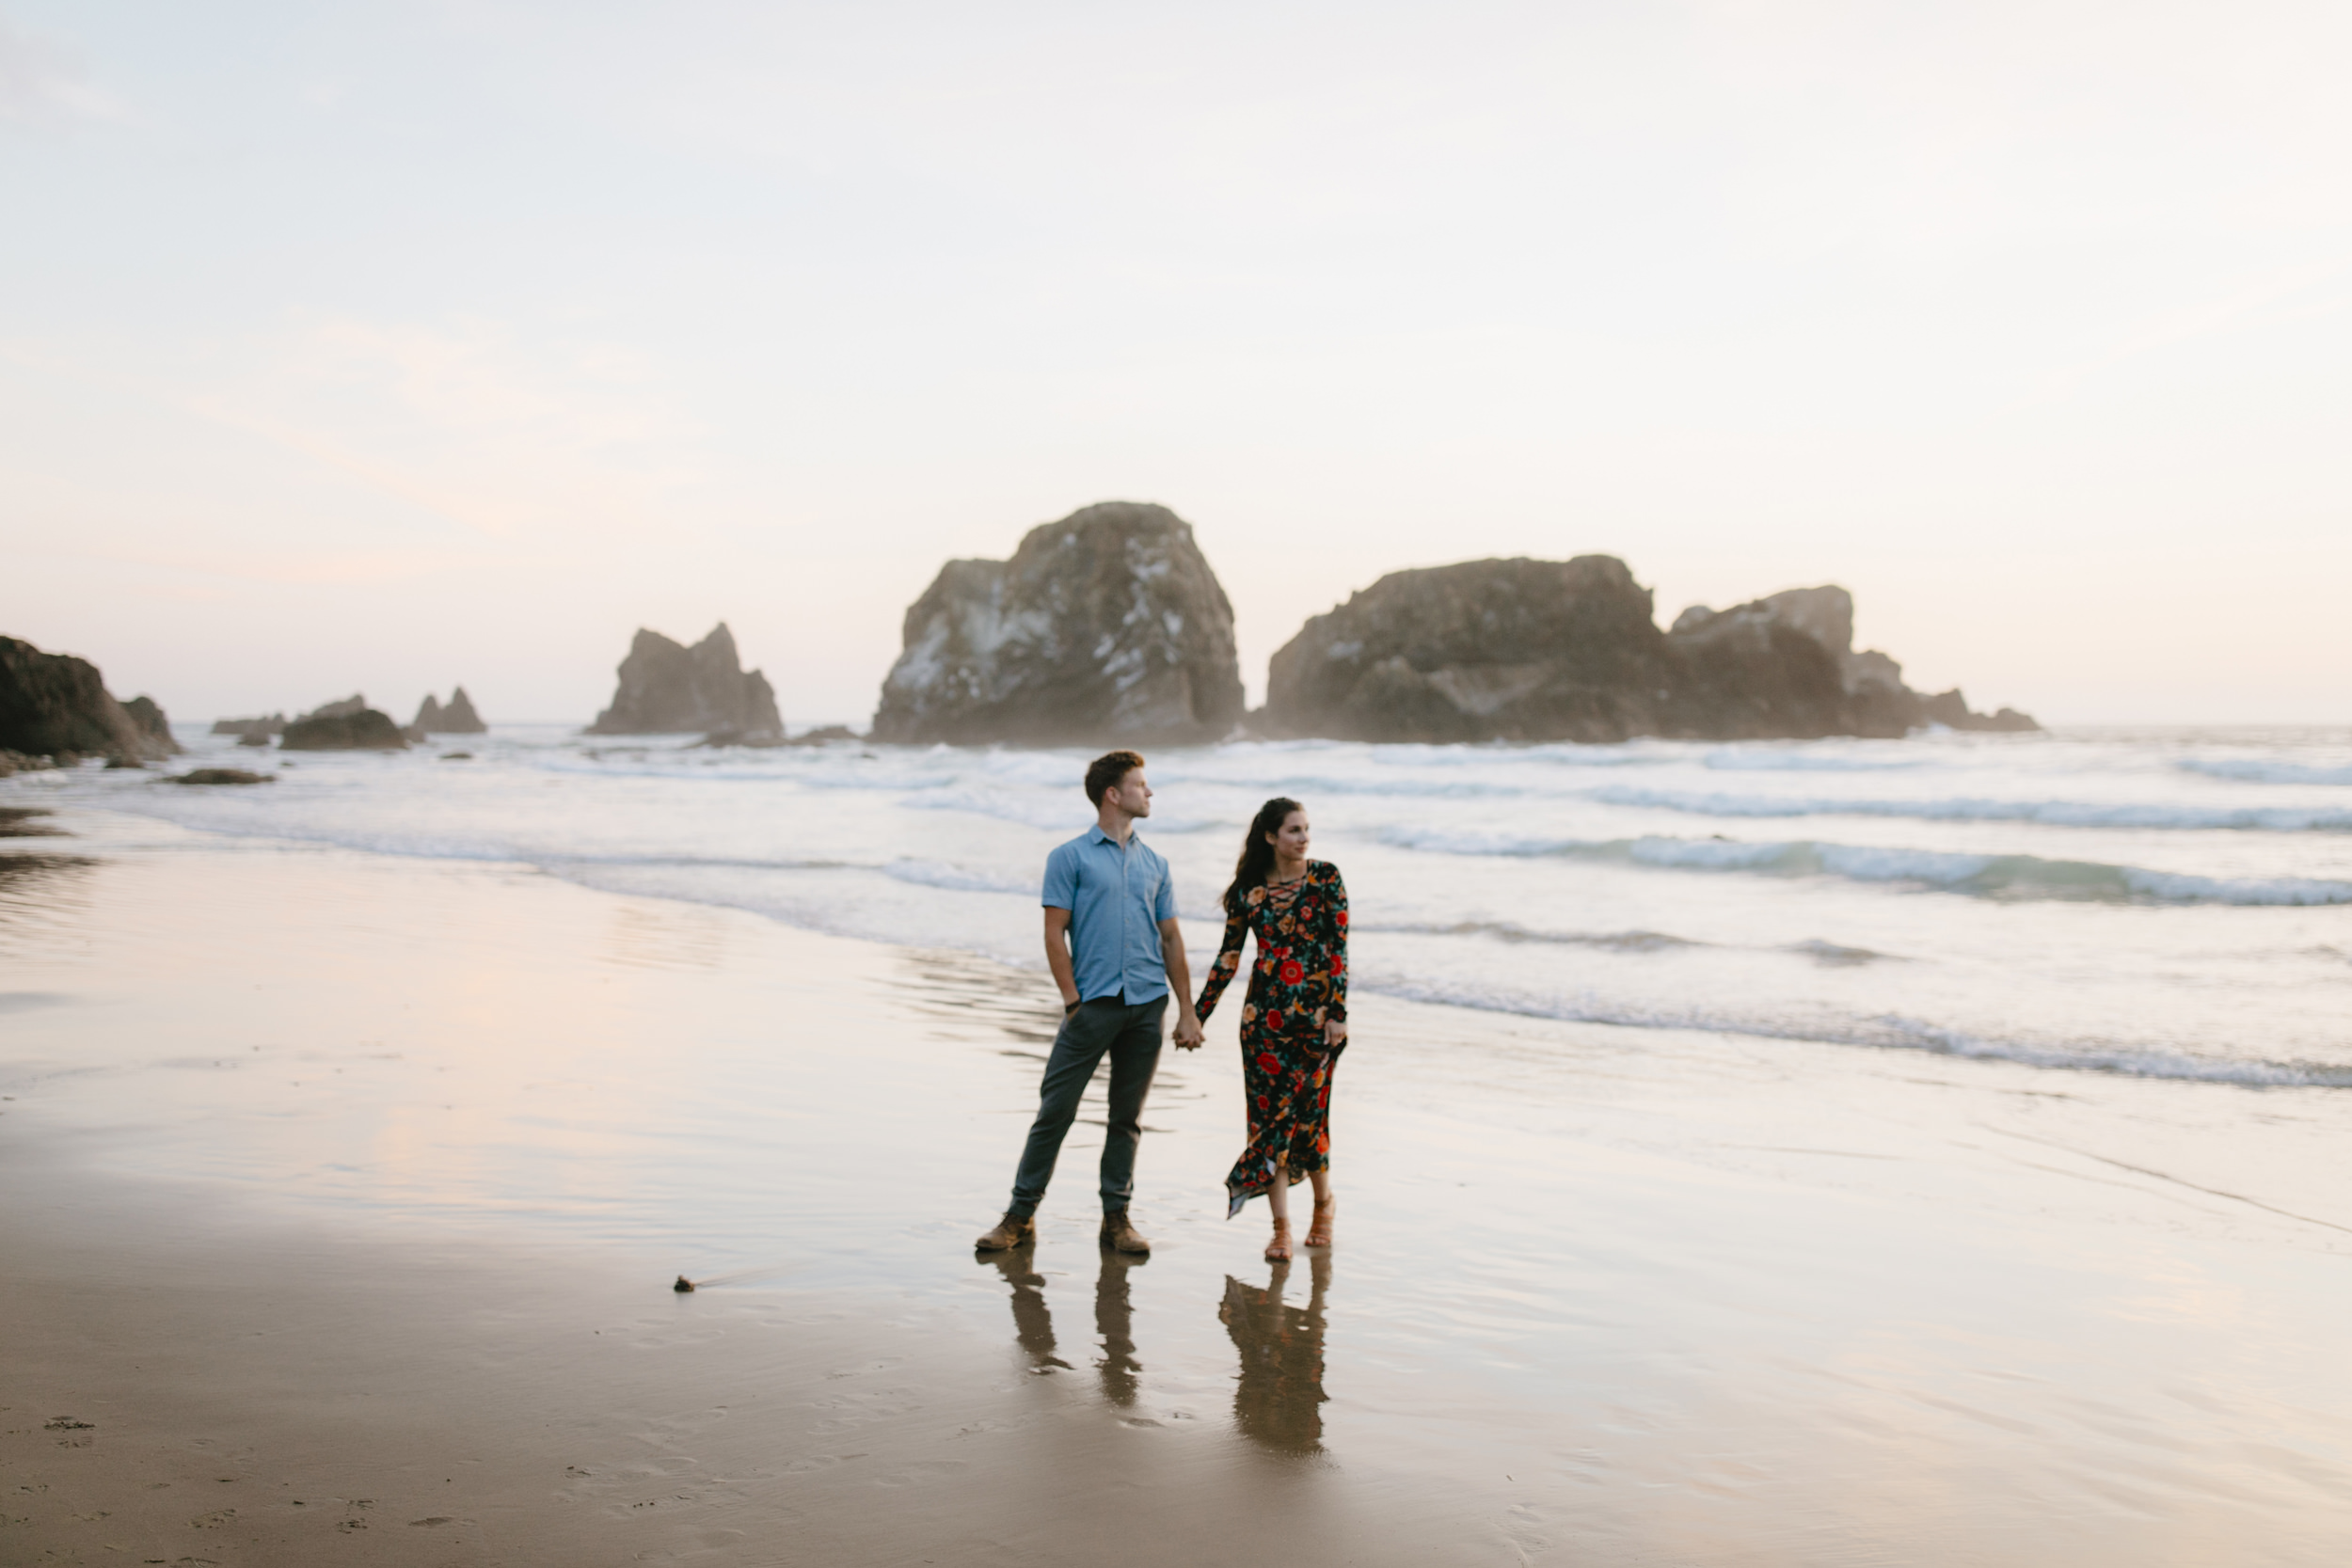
<point x="1189" y="1031"/>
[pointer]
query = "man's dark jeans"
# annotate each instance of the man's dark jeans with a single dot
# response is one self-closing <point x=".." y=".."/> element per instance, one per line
<point x="1131" y="1034"/>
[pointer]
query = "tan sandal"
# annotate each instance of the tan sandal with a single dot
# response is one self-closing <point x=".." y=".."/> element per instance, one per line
<point x="1279" y="1249"/>
<point x="1319" y="1234"/>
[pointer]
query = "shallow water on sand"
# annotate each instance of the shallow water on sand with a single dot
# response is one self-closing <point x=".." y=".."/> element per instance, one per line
<point x="1639" y="1294"/>
<point x="2163" y="903"/>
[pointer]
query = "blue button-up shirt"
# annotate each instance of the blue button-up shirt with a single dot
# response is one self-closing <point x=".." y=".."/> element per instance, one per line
<point x="1116" y="899"/>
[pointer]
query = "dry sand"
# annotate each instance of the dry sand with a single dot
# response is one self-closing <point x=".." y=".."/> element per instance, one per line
<point x="344" y="1193"/>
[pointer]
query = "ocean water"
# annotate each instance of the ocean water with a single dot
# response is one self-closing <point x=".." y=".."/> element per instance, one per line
<point x="2170" y="904"/>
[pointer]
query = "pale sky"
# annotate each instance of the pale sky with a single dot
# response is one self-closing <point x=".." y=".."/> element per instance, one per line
<point x="392" y="346"/>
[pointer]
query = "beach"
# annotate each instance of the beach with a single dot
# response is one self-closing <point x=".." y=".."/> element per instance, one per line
<point x="350" y="1189"/>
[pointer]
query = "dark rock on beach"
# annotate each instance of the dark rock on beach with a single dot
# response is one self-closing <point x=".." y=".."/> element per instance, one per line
<point x="1544" y="650"/>
<point x="348" y="725"/>
<point x="666" y="688"/>
<point x="57" y="707"/>
<point x="222" y="776"/>
<point x="1107" y="627"/>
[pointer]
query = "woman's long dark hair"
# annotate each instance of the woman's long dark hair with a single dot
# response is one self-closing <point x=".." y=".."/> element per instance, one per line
<point x="1257" y="853"/>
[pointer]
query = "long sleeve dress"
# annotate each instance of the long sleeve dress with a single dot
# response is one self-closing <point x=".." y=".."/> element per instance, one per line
<point x="1297" y="983"/>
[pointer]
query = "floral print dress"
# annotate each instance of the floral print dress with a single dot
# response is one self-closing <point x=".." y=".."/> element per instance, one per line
<point x="1298" y="983"/>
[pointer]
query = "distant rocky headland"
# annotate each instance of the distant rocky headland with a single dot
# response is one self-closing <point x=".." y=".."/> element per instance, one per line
<point x="666" y="688"/>
<point x="1105" y="625"/>
<point x="55" y="709"/>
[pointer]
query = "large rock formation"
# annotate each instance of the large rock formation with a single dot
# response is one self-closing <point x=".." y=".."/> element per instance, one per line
<point x="56" y="706"/>
<point x="348" y="725"/>
<point x="1105" y="627"/>
<point x="669" y="690"/>
<point x="1544" y="650"/>
<point x="458" y="718"/>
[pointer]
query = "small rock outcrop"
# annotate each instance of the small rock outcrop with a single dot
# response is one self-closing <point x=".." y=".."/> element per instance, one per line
<point x="56" y="706"/>
<point x="348" y="725"/>
<point x="458" y="718"/>
<point x="1950" y="709"/>
<point x="1107" y="627"/>
<point x="222" y="776"/>
<point x="147" y="716"/>
<point x="252" y="732"/>
<point x="1741" y="660"/>
<point x="666" y="688"/>
<point x="1542" y="650"/>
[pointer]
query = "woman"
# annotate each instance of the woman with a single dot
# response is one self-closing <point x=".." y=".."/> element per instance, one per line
<point x="1294" y="1023"/>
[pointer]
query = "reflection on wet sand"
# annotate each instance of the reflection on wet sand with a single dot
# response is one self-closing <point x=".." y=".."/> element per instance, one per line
<point x="1279" y="1398"/>
<point x="1114" y="1319"/>
<point x="1032" y="1319"/>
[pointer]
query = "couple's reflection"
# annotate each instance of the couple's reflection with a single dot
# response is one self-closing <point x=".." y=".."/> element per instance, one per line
<point x="1114" y="1319"/>
<point x="1278" y="1401"/>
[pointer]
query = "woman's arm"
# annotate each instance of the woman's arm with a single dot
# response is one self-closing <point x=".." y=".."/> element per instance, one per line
<point x="1335" y="1009"/>
<point x="1226" y="965"/>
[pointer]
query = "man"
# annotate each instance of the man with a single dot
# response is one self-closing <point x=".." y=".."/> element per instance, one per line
<point x="1112" y="943"/>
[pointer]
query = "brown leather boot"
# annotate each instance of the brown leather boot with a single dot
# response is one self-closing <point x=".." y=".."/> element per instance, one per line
<point x="1121" y="1235"/>
<point x="1009" y="1232"/>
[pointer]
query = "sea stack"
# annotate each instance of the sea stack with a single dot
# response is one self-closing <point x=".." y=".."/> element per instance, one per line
<point x="347" y="725"/>
<point x="57" y="707"/>
<point x="1546" y="650"/>
<point x="458" y="718"/>
<point x="669" y="690"/>
<point x="1106" y="627"/>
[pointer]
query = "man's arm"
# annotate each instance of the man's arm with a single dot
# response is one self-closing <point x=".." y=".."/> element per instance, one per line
<point x="1057" y="955"/>
<point x="1179" y="981"/>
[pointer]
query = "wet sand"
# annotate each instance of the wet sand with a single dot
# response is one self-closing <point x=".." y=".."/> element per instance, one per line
<point x="345" y="1193"/>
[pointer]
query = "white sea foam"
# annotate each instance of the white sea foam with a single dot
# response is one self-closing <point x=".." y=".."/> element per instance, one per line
<point x="2249" y="891"/>
<point x="1706" y="854"/>
<point x="2263" y="771"/>
<point x="959" y="879"/>
<point x="1997" y="876"/>
<point x="2060" y="814"/>
<point x="1782" y="760"/>
<point x="1887" y="1032"/>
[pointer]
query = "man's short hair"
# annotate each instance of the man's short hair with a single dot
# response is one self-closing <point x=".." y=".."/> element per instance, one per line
<point x="1106" y="771"/>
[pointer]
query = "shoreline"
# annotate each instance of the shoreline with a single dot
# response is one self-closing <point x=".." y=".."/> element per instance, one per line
<point x="1670" y="1298"/>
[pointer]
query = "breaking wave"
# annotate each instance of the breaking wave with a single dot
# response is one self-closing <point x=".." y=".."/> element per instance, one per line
<point x="2251" y="770"/>
<point x="2057" y="814"/>
<point x="1887" y="1032"/>
<point x="1984" y="876"/>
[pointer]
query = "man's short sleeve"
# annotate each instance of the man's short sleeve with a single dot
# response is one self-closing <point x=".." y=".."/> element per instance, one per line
<point x="1164" y="907"/>
<point x="1061" y="879"/>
